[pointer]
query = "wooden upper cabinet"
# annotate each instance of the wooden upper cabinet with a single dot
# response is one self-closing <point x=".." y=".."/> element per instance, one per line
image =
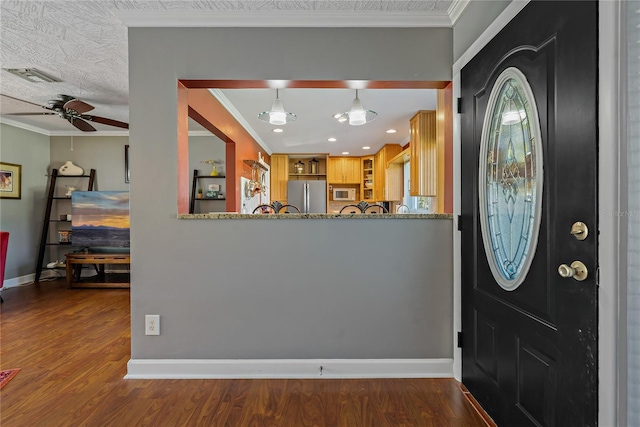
<point x="424" y="154"/>
<point x="368" y="184"/>
<point x="279" y="177"/>
<point x="344" y="170"/>
<point x="380" y="160"/>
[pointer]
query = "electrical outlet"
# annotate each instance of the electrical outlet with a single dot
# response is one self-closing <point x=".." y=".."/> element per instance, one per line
<point x="152" y="324"/>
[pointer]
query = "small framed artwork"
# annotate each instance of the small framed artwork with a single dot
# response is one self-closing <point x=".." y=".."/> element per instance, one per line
<point x="126" y="164"/>
<point x="10" y="180"/>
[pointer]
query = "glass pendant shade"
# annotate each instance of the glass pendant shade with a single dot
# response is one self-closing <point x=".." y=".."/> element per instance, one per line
<point x="357" y="115"/>
<point x="277" y="115"/>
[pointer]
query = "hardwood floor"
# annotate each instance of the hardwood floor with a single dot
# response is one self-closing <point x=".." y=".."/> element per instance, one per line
<point x="73" y="346"/>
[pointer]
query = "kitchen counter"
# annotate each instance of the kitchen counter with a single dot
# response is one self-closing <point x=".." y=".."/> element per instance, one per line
<point x="228" y="215"/>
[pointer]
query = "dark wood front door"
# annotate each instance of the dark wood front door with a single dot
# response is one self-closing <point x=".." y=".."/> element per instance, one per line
<point x="530" y="336"/>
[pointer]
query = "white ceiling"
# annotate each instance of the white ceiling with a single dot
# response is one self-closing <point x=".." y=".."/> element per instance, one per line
<point x="84" y="44"/>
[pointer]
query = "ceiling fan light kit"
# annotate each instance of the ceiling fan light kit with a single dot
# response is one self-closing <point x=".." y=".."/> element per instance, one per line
<point x="277" y="115"/>
<point x="69" y="169"/>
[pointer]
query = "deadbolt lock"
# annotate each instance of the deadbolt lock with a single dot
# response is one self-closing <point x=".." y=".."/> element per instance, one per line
<point x="577" y="270"/>
<point x="579" y="230"/>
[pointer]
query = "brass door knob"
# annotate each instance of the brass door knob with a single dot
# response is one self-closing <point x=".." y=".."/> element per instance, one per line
<point x="577" y="270"/>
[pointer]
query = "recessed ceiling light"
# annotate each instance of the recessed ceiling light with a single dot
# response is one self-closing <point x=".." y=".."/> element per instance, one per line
<point x="332" y="140"/>
<point x="366" y="148"/>
<point x="278" y="130"/>
<point x="391" y="131"/>
<point x="345" y="152"/>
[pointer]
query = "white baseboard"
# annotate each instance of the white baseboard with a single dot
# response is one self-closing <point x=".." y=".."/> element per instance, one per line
<point x="288" y="368"/>
<point x="29" y="278"/>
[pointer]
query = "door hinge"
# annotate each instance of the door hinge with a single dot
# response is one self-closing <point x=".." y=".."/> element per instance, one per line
<point x="459" y="106"/>
<point x="459" y="339"/>
<point x="460" y="226"/>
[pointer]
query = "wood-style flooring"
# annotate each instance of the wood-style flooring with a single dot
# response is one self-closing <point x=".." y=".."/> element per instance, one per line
<point x="73" y="346"/>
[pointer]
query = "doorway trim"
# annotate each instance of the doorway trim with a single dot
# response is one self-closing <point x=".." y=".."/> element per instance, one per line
<point x="612" y="394"/>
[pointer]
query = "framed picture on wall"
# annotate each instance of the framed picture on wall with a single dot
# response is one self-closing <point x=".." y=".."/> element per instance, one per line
<point x="126" y="163"/>
<point x="10" y="180"/>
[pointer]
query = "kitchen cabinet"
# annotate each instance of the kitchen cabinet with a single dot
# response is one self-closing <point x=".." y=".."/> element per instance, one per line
<point x="367" y="179"/>
<point x="424" y="154"/>
<point x="307" y="167"/>
<point x="279" y="177"/>
<point x="395" y="175"/>
<point x="344" y="170"/>
<point x="386" y="153"/>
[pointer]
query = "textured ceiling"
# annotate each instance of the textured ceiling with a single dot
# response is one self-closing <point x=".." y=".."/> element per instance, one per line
<point x="84" y="43"/>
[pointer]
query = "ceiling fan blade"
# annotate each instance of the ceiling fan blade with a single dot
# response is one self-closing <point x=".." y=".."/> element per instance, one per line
<point x="78" y="106"/>
<point x="31" y="114"/>
<point x="105" y="121"/>
<point x="81" y="124"/>
<point x="22" y="100"/>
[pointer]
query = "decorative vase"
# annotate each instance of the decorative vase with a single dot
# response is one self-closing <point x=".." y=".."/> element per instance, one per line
<point x="69" y="169"/>
<point x="214" y="171"/>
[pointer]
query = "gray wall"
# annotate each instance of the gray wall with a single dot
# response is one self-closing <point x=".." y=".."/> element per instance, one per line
<point x="105" y="154"/>
<point x="205" y="148"/>
<point x="23" y="218"/>
<point x="477" y="16"/>
<point x="278" y="289"/>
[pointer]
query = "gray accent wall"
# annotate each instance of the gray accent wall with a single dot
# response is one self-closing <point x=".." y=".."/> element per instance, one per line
<point x="105" y="154"/>
<point x="475" y="19"/>
<point x="285" y="289"/>
<point x="23" y="218"/>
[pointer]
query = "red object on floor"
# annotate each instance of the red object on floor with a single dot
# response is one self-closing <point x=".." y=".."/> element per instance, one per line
<point x="6" y="376"/>
<point x="4" y="243"/>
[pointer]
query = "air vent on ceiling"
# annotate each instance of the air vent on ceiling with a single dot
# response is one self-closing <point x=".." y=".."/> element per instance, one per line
<point x="32" y="74"/>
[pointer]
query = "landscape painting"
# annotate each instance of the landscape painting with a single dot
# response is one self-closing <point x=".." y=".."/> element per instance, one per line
<point x="100" y="218"/>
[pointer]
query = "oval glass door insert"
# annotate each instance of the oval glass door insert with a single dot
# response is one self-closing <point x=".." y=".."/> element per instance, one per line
<point x="510" y="179"/>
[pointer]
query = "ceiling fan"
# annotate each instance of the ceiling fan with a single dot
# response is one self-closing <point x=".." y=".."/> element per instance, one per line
<point x="73" y="110"/>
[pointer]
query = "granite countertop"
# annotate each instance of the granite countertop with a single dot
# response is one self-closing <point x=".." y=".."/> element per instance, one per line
<point x="228" y="215"/>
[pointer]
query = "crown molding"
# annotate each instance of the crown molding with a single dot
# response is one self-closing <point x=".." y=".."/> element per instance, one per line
<point x="217" y="93"/>
<point x="284" y="18"/>
<point x="24" y="126"/>
<point x="456" y="9"/>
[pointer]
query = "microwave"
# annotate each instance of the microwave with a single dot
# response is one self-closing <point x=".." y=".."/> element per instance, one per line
<point x="344" y="194"/>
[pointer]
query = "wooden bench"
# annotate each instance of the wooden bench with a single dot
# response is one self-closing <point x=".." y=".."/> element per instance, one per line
<point x="75" y="261"/>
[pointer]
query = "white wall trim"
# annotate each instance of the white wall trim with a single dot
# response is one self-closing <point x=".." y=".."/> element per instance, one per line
<point x="31" y="128"/>
<point x="496" y="26"/>
<point x="24" y="126"/>
<point x="457" y="237"/>
<point x="610" y="109"/>
<point x="284" y="18"/>
<point x="288" y="368"/>
<point x="27" y="279"/>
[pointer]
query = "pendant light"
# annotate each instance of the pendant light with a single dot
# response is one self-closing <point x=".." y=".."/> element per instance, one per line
<point x="357" y="115"/>
<point x="277" y="115"/>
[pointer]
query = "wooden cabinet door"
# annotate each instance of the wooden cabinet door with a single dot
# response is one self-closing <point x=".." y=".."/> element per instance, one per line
<point x="424" y="154"/>
<point x="279" y="177"/>
<point x="344" y="170"/>
<point x="385" y="154"/>
<point x="378" y="176"/>
<point x="334" y="170"/>
<point x="351" y="168"/>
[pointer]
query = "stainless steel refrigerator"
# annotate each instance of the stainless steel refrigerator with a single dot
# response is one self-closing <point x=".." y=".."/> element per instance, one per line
<point x="308" y="196"/>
